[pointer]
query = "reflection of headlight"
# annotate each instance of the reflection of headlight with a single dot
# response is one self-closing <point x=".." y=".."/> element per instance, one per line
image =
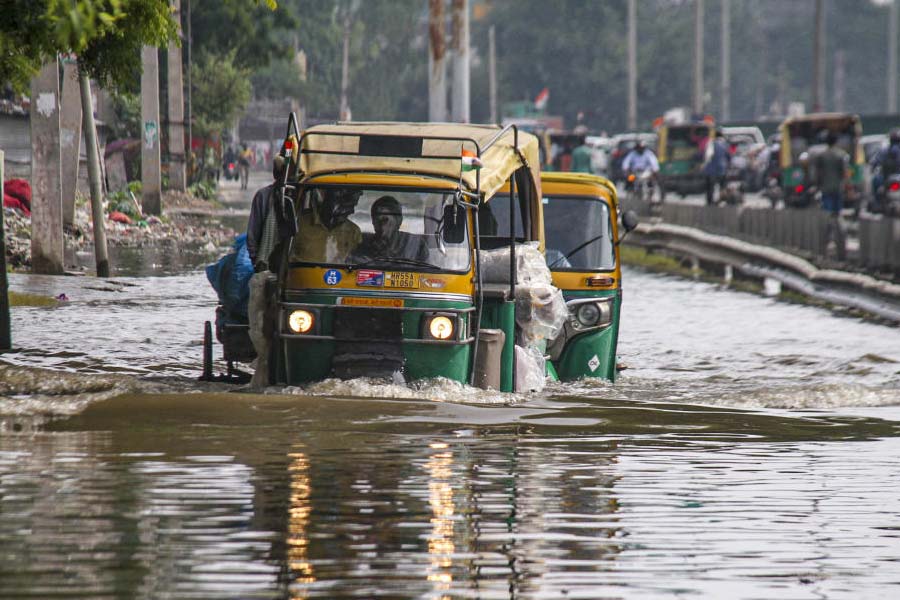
<point x="300" y="321"/>
<point x="439" y="327"/>
<point x="588" y="314"/>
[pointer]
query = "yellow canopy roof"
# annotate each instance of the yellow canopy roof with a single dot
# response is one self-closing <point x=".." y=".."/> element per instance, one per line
<point x="404" y="148"/>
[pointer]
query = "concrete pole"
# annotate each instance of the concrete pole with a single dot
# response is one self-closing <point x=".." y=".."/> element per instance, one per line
<point x="5" y="333"/>
<point x="177" y="179"/>
<point x="726" y="60"/>
<point x="437" y="69"/>
<point x="101" y="257"/>
<point x="46" y="193"/>
<point x="893" y="32"/>
<point x="632" y="65"/>
<point x="345" y="68"/>
<point x="69" y="139"/>
<point x="818" y="103"/>
<point x="187" y="108"/>
<point x="840" y="79"/>
<point x="151" y="201"/>
<point x="492" y="73"/>
<point x="697" y="105"/>
<point x="460" y="89"/>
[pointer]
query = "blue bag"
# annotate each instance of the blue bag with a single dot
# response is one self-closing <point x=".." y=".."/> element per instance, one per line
<point x="230" y="277"/>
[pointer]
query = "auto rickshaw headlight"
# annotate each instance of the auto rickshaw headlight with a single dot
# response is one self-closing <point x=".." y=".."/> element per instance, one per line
<point x="439" y="327"/>
<point x="301" y="321"/>
<point x="588" y="314"/>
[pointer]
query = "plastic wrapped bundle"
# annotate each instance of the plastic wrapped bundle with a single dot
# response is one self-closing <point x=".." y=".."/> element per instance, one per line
<point x="531" y="268"/>
<point x="541" y="313"/>
<point x="530" y="370"/>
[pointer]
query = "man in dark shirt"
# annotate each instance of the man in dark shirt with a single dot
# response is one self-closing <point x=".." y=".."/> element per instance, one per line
<point x="388" y="241"/>
<point x="831" y="170"/>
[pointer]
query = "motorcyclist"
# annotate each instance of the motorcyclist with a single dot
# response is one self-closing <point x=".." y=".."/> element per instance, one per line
<point x="885" y="164"/>
<point x="640" y="159"/>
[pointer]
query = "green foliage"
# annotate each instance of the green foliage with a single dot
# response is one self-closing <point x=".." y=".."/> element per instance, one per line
<point x="221" y="92"/>
<point x="127" y="109"/>
<point x="205" y="188"/>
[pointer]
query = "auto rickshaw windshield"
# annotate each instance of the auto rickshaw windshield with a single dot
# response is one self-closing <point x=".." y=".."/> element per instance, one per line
<point x="578" y="233"/>
<point x="805" y="135"/>
<point x="354" y="226"/>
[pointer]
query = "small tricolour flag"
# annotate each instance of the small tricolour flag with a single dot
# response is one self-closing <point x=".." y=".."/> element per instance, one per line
<point x="540" y="101"/>
<point x="470" y="162"/>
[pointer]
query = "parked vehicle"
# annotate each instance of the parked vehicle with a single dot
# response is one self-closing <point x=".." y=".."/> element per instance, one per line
<point x="749" y="156"/>
<point x="887" y="197"/>
<point x="414" y="298"/>
<point x="583" y="233"/>
<point x="802" y="139"/>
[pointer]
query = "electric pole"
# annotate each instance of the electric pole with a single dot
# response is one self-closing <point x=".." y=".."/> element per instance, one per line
<point x="819" y="59"/>
<point x="437" y="70"/>
<point x="492" y="73"/>
<point x="176" y="109"/>
<point x="151" y="179"/>
<point x="698" y="57"/>
<point x="893" y="32"/>
<point x="632" y="65"/>
<point x="726" y="60"/>
<point x="460" y="89"/>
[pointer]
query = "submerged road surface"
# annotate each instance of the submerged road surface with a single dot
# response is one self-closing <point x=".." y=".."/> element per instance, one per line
<point x="749" y="451"/>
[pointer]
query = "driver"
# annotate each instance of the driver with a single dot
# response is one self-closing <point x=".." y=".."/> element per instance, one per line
<point x="388" y="241"/>
<point x="326" y="233"/>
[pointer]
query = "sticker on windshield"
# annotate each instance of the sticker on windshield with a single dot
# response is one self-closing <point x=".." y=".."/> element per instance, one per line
<point x="594" y="363"/>
<point x="332" y="277"/>
<point x="367" y="278"/>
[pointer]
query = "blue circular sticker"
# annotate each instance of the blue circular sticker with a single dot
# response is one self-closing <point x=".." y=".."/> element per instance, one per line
<point x="332" y="277"/>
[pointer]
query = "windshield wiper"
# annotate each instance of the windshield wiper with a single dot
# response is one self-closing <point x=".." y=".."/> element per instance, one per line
<point x="575" y="250"/>
<point x="414" y="262"/>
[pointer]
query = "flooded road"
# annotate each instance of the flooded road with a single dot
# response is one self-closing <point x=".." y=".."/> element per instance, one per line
<point x="748" y="451"/>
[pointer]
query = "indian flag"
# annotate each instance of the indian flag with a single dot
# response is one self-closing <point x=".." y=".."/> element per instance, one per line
<point x="470" y="162"/>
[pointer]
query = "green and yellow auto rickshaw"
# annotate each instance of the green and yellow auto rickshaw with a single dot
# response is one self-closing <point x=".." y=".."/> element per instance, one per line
<point x="680" y="154"/>
<point x="582" y="251"/>
<point x="802" y="139"/>
<point x="384" y="276"/>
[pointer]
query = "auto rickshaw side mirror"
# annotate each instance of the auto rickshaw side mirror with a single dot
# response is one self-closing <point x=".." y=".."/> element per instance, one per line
<point x="629" y="222"/>
<point x="453" y="224"/>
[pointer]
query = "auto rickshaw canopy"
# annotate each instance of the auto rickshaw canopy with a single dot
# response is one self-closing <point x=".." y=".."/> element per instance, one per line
<point x="432" y="149"/>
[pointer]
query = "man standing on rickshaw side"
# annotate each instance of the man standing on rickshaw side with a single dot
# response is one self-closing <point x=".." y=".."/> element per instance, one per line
<point x="269" y="225"/>
<point x="832" y="169"/>
<point x="715" y="165"/>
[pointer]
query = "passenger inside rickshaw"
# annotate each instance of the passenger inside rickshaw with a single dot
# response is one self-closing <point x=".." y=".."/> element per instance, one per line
<point x="400" y="228"/>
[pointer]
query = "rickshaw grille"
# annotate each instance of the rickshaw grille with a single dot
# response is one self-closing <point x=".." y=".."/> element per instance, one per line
<point x="381" y="355"/>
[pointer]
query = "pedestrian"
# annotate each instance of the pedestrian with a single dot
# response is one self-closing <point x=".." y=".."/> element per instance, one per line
<point x="831" y="174"/>
<point x="581" y="157"/>
<point x="244" y="158"/>
<point x="715" y="165"/>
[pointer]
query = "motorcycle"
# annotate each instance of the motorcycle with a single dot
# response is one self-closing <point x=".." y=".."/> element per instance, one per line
<point x="230" y="171"/>
<point x="640" y="186"/>
<point x="732" y="191"/>
<point x="890" y="196"/>
<point x="772" y="189"/>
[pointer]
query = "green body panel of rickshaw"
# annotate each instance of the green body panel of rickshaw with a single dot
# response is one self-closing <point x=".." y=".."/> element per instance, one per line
<point x="678" y="167"/>
<point x="308" y="360"/>
<point x="575" y="360"/>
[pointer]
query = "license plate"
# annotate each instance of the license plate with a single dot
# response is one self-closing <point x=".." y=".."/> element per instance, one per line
<point x="401" y="280"/>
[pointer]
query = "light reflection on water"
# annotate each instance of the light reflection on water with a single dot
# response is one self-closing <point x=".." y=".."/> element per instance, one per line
<point x="749" y="451"/>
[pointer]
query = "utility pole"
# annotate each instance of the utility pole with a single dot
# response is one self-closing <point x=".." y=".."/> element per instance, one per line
<point x="437" y="70"/>
<point x="5" y="329"/>
<point x="101" y="257"/>
<point x="492" y="73"/>
<point x="819" y="59"/>
<point x="726" y="60"/>
<point x="151" y="181"/>
<point x="840" y="78"/>
<point x="345" y="66"/>
<point x="698" y="57"/>
<point x="460" y="89"/>
<point x="188" y="107"/>
<point x="176" y="109"/>
<point x="69" y="138"/>
<point x="632" y="65"/>
<point x="893" y="32"/>
<point x="46" y="201"/>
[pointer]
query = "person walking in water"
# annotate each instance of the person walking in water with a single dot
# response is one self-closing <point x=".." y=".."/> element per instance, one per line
<point x="244" y="164"/>
<point x="831" y="173"/>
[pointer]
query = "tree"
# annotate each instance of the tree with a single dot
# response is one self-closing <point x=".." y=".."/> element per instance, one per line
<point x="221" y="92"/>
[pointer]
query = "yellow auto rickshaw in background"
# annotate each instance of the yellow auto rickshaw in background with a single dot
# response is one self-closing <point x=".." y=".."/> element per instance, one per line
<point x="581" y="226"/>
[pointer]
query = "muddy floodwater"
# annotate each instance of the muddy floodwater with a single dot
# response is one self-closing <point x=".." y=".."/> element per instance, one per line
<point x="750" y="450"/>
